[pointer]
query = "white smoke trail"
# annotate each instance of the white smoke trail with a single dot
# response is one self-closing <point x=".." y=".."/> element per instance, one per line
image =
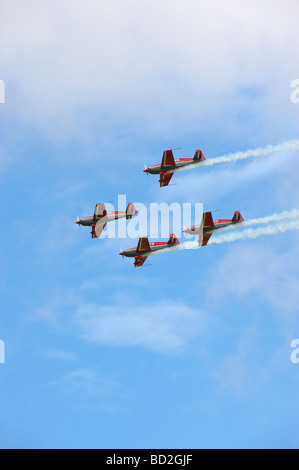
<point x="254" y="233"/>
<point x="293" y="214"/>
<point x="258" y="152"/>
<point x="242" y="235"/>
<point x="182" y="246"/>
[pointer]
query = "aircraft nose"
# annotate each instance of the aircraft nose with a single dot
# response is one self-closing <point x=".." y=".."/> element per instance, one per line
<point x="122" y="253"/>
<point x="78" y="222"/>
<point x="145" y="171"/>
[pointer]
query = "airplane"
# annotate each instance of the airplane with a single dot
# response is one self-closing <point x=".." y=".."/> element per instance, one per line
<point x="169" y="166"/>
<point x="208" y="226"/>
<point x="100" y="218"/>
<point x="145" y="249"/>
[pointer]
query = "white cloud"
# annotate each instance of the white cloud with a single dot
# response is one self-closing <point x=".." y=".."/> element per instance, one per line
<point x="5" y="161"/>
<point x="97" y="390"/>
<point x="259" y="271"/>
<point x="163" y="326"/>
<point x="59" y="354"/>
<point x="169" y="62"/>
<point x="239" y="374"/>
<point x="160" y="326"/>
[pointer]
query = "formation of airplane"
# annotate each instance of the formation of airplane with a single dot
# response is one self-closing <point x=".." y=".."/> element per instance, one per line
<point x="145" y="249"/>
<point x="101" y="217"/>
<point x="208" y="226"/>
<point x="169" y="166"/>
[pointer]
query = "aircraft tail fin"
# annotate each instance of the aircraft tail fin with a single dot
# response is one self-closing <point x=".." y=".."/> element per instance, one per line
<point x="237" y="217"/>
<point x="173" y="240"/>
<point x="199" y="156"/>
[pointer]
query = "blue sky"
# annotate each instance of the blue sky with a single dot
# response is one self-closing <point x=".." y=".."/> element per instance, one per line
<point x="193" y="351"/>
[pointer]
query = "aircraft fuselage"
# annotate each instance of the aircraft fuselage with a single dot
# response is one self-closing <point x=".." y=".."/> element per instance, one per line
<point x="156" y="169"/>
<point x="196" y="229"/>
<point x="132" y="252"/>
<point x="88" y="221"/>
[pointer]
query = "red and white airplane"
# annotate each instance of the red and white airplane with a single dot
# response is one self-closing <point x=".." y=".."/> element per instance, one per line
<point x="169" y="166"/>
<point x="100" y="218"/>
<point x="145" y="249"/>
<point x="208" y="226"/>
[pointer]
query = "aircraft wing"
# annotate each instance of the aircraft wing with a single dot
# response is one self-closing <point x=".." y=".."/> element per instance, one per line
<point x="167" y="159"/>
<point x="139" y="260"/>
<point x="143" y="245"/>
<point x="165" y="178"/>
<point x="203" y="238"/>
<point x="99" y="212"/>
<point x="97" y="229"/>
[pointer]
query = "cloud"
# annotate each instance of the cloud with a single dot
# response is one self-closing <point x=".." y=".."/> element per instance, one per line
<point x="125" y="319"/>
<point x="161" y="326"/>
<point x="59" y="354"/>
<point x="259" y="271"/>
<point x="162" y="62"/>
<point x="239" y="373"/>
<point x="53" y="311"/>
<point x="97" y="390"/>
<point x="5" y="161"/>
